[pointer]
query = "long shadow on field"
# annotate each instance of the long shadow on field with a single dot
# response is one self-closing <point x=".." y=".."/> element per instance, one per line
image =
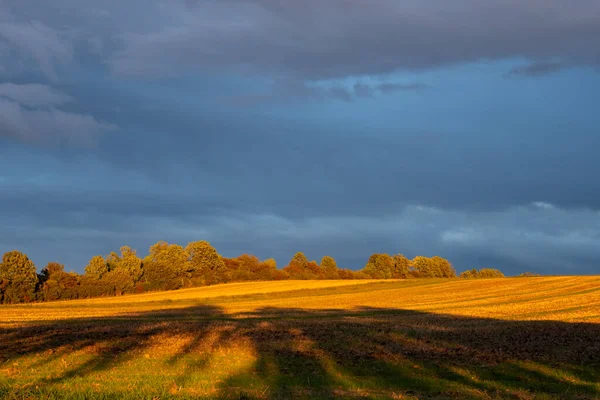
<point x="365" y="352"/>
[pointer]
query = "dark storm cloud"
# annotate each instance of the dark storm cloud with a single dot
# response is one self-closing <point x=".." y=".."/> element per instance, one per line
<point x="308" y="40"/>
<point x="317" y="40"/>
<point x="339" y="156"/>
<point x="536" y="69"/>
<point x="29" y="114"/>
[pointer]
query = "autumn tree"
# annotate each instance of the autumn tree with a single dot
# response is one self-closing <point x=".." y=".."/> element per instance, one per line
<point x="112" y="261"/>
<point x="118" y="282"/>
<point x="57" y="284"/>
<point x="166" y="267"/>
<point x="481" y="274"/>
<point x="300" y="259"/>
<point x="424" y="267"/>
<point x="314" y="270"/>
<point x="124" y="272"/>
<point x="3" y="286"/>
<point x="271" y="264"/>
<point x="329" y="268"/>
<point x="96" y="268"/>
<point x="469" y="274"/>
<point x="443" y="267"/>
<point x="490" y="273"/>
<point x="51" y="268"/>
<point x="380" y="266"/>
<point x="130" y="263"/>
<point x="298" y="268"/>
<point x="206" y="264"/>
<point x="248" y="267"/>
<point x="91" y="282"/>
<point x="18" y="278"/>
<point x="401" y="267"/>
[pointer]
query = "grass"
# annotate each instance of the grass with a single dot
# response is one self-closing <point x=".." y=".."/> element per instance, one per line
<point x="417" y="339"/>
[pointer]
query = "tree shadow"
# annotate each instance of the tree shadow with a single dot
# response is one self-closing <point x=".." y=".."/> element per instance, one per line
<point x="329" y="353"/>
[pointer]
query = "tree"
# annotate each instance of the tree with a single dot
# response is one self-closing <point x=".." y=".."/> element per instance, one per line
<point x="300" y="268"/>
<point x="117" y="282"/>
<point x="401" y="267"/>
<point x="57" y="284"/>
<point x="118" y="275"/>
<point x="380" y="266"/>
<point x="443" y="267"/>
<point x="314" y="271"/>
<point x="166" y="267"/>
<point x="93" y="283"/>
<point x="528" y="275"/>
<point x="206" y="264"/>
<point x="482" y="273"/>
<point x="3" y="286"/>
<point x="301" y="259"/>
<point x="52" y="268"/>
<point x="112" y="260"/>
<point x="96" y="268"/>
<point x="271" y="264"/>
<point x="130" y="263"/>
<point x="329" y="268"/>
<point x="469" y="274"/>
<point x="425" y="267"/>
<point x="18" y="278"/>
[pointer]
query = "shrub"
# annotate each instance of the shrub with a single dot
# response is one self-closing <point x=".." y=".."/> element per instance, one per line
<point x="528" y="275"/>
<point x="483" y="273"/>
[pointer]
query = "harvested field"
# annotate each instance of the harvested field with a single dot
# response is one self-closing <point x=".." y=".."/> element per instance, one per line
<point x="520" y="338"/>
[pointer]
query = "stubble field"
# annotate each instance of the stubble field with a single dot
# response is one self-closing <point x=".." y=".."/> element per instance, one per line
<point x="521" y="338"/>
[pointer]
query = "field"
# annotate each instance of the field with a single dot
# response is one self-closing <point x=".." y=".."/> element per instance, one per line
<point x="520" y="338"/>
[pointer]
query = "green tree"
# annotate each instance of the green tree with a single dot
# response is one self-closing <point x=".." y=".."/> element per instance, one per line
<point x="206" y="264"/>
<point x="18" y="278"/>
<point x="401" y="267"/>
<point x="329" y="267"/>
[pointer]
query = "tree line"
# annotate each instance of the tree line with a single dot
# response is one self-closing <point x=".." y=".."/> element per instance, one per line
<point x="171" y="266"/>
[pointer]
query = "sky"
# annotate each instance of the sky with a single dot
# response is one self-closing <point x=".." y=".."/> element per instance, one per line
<point x="464" y="129"/>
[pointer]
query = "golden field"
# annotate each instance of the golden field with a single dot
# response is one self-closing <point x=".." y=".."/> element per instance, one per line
<point x="498" y="338"/>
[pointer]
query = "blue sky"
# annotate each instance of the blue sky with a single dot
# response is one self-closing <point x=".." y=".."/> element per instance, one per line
<point x="462" y="129"/>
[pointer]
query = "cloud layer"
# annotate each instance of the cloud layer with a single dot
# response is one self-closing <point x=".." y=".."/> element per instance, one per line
<point x="29" y="114"/>
<point x="467" y="129"/>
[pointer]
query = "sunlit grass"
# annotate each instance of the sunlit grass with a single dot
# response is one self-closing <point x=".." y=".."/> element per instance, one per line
<point x="480" y="339"/>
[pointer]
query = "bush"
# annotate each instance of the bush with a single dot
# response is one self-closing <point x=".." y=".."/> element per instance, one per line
<point x="528" y="275"/>
<point x="483" y="273"/>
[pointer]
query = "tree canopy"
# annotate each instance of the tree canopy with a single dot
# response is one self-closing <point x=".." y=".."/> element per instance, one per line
<point x="18" y="278"/>
<point x="171" y="266"/>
